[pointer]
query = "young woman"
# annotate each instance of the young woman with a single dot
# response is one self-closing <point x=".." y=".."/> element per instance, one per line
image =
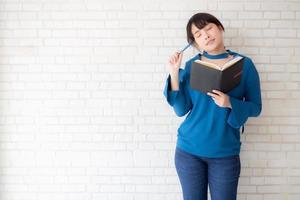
<point x="208" y="140"/>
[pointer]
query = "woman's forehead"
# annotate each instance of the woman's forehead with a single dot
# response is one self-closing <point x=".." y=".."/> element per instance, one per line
<point x="195" y="28"/>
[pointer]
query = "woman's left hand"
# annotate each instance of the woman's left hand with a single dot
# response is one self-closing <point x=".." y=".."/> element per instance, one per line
<point x="220" y="98"/>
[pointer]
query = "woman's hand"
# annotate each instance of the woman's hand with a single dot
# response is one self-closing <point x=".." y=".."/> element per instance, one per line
<point x="174" y="63"/>
<point x="220" y="98"/>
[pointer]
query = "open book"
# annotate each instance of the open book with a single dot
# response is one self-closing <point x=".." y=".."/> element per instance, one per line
<point x="206" y="76"/>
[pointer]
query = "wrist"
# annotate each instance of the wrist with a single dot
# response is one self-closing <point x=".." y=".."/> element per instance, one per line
<point x="174" y="74"/>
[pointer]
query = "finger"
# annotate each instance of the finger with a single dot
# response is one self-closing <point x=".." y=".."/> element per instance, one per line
<point x="173" y="59"/>
<point x="216" y="101"/>
<point x="180" y="55"/>
<point x="218" y="92"/>
<point x="177" y="56"/>
<point x="212" y="95"/>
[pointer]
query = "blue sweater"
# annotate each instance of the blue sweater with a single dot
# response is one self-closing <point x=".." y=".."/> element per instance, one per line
<point x="209" y="130"/>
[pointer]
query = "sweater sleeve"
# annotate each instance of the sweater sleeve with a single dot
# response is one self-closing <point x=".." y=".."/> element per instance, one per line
<point x="180" y="100"/>
<point x="251" y="104"/>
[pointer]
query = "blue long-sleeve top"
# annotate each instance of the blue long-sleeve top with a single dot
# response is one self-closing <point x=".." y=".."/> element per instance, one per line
<point x="209" y="130"/>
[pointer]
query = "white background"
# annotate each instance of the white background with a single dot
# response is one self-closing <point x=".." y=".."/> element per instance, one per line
<point x="82" y="113"/>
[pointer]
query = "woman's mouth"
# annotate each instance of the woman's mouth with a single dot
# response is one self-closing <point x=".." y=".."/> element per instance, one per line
<point x="210" y="42"/>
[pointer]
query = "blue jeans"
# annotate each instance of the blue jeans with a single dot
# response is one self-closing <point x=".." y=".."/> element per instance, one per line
<point x="196" y="174"/>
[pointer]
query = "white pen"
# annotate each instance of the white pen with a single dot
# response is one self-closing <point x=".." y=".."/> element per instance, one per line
<point x="187" y="46"/>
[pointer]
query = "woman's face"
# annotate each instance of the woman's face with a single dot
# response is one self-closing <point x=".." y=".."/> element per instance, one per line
<point x="209" y="38"/>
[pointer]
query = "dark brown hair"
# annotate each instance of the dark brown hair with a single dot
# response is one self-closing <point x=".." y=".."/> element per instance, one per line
<point x="200" y="20"/>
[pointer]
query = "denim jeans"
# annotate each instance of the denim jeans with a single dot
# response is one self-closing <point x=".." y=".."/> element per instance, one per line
<point x="196" y="174"/>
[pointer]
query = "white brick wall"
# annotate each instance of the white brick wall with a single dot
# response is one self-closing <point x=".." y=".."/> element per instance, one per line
<point x="82" y="110"/>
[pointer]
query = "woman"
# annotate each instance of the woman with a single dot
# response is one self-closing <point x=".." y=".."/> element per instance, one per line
<point x="208" y="140"/>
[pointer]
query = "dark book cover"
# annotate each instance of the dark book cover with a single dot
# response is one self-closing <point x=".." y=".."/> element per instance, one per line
<point x="206" y="77"/>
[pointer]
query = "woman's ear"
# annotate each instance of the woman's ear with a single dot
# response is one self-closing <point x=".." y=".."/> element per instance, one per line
<point x="220" y="28"/>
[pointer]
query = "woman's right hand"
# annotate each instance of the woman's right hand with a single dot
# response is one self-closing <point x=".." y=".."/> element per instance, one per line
<point x="174" y="63"/>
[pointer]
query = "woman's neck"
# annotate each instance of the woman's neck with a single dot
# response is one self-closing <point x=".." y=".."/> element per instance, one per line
<point x="217" y="51"/>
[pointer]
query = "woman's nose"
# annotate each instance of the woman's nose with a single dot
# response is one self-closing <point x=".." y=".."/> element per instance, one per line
<point x="206" y="36"/>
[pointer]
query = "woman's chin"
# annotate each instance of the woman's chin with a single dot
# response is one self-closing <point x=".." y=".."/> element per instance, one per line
<point x="212" y="47"/>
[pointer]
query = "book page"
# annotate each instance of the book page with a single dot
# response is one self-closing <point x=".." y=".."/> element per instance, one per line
<point x="231" y="62"/>
<point x="208" y="64"/>
<point x="223" y="67"/>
